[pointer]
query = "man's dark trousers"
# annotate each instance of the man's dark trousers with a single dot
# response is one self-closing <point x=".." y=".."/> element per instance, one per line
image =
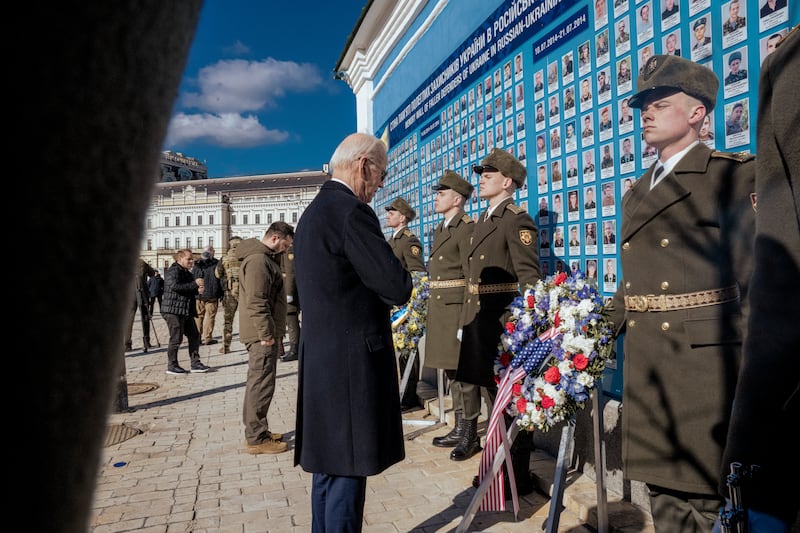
<point x="337" y="503"/>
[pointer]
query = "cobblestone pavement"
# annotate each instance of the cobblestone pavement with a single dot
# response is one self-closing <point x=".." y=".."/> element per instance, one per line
<point x="184" y="469"/>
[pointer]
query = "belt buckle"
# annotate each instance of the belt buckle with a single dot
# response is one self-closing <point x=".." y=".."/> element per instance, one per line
<point x="640" y="303"/>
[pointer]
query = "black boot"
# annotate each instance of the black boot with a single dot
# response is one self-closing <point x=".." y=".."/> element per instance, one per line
<point x="454" y="437"/>
<point x="146" y="344"/>
<point x="470" y="442"/>
<point x="521" y="462"/>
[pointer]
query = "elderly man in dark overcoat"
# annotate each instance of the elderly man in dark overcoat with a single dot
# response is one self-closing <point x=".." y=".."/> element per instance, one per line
<point x="349" y="424"/>
<point x="446" y="266"/>
<point x="767" y="399"/>
<point x="686" y="254"/>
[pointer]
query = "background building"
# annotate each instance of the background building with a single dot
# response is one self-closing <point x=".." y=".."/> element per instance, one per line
<point x="177" y="167"/>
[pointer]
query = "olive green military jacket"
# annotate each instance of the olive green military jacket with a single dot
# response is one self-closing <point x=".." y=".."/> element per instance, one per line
<point x="503" y="249"/>
<point x="408" y="250"/>
<point x="228" y="274"/>
<point x="447" y="263"/>
<point x="693" y="232"/>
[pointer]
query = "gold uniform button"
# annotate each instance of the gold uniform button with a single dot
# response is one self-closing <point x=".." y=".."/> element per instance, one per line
<point x="440" y="258"/>
<point x="631" y="323"/>
<point x="438" y="296"/>
<point x="627" y="284"/>
<point x="482" y="256"/>
<point x="469" y="300"/>
<point x="626" y="246"/>
<point x="664" y="285"/>
<point x="664" y="243"/>
<point x="665" y="326"/>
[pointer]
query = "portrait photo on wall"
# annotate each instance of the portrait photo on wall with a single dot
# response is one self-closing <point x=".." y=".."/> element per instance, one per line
<point x="671" y="43"/>
<point x="707" y="131"/>
<point x="645" y="53"/>
<point x="590" y="238"/>
<point x="627" y="159"/>
<point x="696" y="6"/>
<point x="606" y="161"/>
<point x="600" y="13"/>
<point x="737" y="123"/>
<point x="603" y="86"/>
<point x="622" y="37"/>
<point x="552" y="76"/>
<point x="586" y="93"/>
<point x="572" y="170"/>
<point x="569" y="102"/>
<point x="701" y="38"/>
<point x="541" y="179"/>
<point x="588" y="166"/>
<point x="670" y="13"/>
<point x="734" y="27"/>
<point x="571" y="137"/>
<point x="518" y="67"/>
<point x="601" y="48"/>
<point x="625" y="116"/>
<point x="625" y="186"/>
<point x="587" y="129"/>
<point x="589" y="202"/>
<point x="735" y="79"/>
<point x="567" y="68"/>
<point x="538" y="84"/>
<point x="768" y="43"/>
<point x="608" y="201"/>
<point x="644" y="21"/>
<point x="624" y="75"/>
<point x="584" y="58"/>
<point x="606" y="123"/>
<point x="771" y="13"/>
<point x="620" y="7"/>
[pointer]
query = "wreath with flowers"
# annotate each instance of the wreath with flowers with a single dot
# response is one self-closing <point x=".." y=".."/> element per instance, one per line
<point x="558" y="341"/>
<point x="409" y="320"/>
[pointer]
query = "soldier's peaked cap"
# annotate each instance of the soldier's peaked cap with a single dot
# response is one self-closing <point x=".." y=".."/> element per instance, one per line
<point x="451" y="180"/>
<point x="399" y="204"/>
<point x="664" y="73"/>
<point x="506" y="163"/>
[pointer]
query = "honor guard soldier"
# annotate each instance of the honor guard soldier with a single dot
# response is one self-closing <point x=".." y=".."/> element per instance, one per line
<point x="292" y="306"/>
<point x="228" y="274"/>
<point x="447" y="284"/>
<point x="408" y="249"/>
<point x="502" y="259"/>
<point x="686" y="257"/>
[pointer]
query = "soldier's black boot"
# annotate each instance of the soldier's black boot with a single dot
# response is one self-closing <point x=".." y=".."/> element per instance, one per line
<point x="146" y="344"/>
<point x="521" y="461"/>
<point x="470" y="442"/>
<point x="454" y="437"/>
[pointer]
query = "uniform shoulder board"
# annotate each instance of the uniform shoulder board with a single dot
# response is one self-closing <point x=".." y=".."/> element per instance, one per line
<point x="741" y="157"/>
<point x="514" y="208"/>
<point x="407" y="233"/>
<point x="467" y="219"/>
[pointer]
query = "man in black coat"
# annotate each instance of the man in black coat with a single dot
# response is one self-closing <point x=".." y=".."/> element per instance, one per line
<point x="349" y="424"/>
<point x="767" y="399"/>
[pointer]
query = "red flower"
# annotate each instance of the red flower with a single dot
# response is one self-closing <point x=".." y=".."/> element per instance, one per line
<point x="580" y="361"/>
<point x="516" y="389"/>
<point x="505" y="358"/>
<point x="531" y="301"/>
<point x="522" y="403"/>
<point x="560" y="278"/>
<point x="547" y="402"/>
<point x="510" y="327"/>
<point x="552" y="375"/>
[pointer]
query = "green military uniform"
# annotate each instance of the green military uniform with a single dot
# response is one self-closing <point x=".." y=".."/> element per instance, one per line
<point x="686" y="256"/>
<point x="503" y="256"/>
<point x="447" y="265"/>
<point x="408" y="249"/>
<point x="733" y="25"/>
<point x="292" y="305"/>
<point x="228" y="273"/>
<point x="767" y="403"/>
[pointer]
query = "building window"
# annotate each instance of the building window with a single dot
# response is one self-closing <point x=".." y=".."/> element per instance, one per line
<point x="199" y="242"/>
<point x="244" y="219"/>
<point x="211" y="241"/>
<point x="269" y="218"/>
<point x="166" y="242"/>
<point x="211" y="219"/>
<point x="166" y="224"/>
<point x="294" y="217"/>
<point x="258" y="218"/>
<point x="149" y="244"/>
<point x="177" y="221"/>
<point x="177" y="243"/>
<point x="149" y="223"/>
<point x="188" y="242"/>
<point x="188" y="220"/>
<point x="199" y="220"/>
<point x="282" y="216"/>
<point x="233" y="220"/>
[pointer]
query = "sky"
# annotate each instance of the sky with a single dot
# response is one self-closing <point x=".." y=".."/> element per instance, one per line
<point x="258" y="94"/>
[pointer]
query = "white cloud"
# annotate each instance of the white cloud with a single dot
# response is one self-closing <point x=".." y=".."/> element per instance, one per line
<point x="226" y="129"/>
<point x="228" y="89"/>
<point x="238" y="85"/>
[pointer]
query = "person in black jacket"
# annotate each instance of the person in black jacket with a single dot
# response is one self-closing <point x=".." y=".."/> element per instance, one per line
<point x="209" y="297"/>
<point x="155" y="288"/>
<point x="179" y="310"/>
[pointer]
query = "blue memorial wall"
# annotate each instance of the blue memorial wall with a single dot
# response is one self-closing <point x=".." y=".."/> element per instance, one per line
<point x="549" y="81"/>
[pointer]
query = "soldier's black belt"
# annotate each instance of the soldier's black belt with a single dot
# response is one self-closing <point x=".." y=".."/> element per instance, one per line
<point x="447" y="284"/>
<point x="687" y="300"/>
<point x="480" y="288"/>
